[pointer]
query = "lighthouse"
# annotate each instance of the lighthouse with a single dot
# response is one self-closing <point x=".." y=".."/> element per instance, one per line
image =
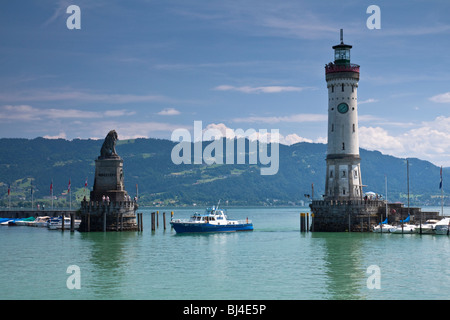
<point x="343" y="173"/>
<point x="343" y="207"/>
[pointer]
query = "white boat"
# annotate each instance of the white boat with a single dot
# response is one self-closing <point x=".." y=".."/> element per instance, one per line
<point x="40" y="222"/>
<point x="407" y="228"/>
<point x="442" y="227"/>
<point x="427" y="227"/>
<point x="382" y="228"/>
<point x="56" y="223"/>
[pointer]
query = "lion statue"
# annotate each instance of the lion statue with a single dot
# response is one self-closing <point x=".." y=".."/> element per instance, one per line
<point x="108" y="149"/>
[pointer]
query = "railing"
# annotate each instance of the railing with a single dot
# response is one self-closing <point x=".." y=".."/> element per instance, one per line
<point x="368" y="203"/>
<point x="332" y="68"/>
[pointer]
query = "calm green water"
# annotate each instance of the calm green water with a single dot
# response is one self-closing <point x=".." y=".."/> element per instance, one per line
<point x="275" y="261"/>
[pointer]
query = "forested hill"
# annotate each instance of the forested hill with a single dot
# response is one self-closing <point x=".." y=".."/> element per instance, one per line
<point x="148" y="164"/>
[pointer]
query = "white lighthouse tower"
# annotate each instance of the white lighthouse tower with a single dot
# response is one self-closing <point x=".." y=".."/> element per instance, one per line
<point x="343" y="175"/>
<point x="342" y="207"/>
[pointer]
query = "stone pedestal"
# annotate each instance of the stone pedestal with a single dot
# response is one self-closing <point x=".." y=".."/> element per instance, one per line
<point x="109" y="180"/>
<point x="109" y="208"/>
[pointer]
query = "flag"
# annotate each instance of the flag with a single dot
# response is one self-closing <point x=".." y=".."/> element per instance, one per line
<point x="51" y="188"/>
<point x="9" y="189"/>
<point x="440" y="184"/>
<point x="85" y="184"/>
<point x="68" y="188"/>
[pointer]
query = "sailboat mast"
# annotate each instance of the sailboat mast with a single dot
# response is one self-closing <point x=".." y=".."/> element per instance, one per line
<point x="385" y="182"/>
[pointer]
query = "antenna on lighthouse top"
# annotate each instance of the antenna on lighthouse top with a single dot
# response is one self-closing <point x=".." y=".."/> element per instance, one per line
<point x="342" y="36"/>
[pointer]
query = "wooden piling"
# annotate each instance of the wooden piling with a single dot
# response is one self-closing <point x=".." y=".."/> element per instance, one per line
<point x="302" y="222"/>
<point x="164" y="220"/>
<point x="62" y="222"/>
<point x="72" y="222"/>
<point x="157" y="219"/>
<point x="153" y="221"/>
<point x="312" y="222"/>
<point x="104" y="220"/>
<point x="307" y="221"/>
<point x="171" y="217"/>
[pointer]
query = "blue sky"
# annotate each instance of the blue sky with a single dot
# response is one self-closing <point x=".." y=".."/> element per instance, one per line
<point x="146" y="68"/>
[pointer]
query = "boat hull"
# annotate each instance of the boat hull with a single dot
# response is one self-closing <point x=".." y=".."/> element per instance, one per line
<point x="184" y="227"/>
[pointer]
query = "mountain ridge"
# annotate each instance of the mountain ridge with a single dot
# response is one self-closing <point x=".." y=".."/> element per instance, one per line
<point x="148" y="164"/>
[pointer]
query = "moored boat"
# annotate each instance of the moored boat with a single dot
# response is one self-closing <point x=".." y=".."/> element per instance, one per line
<point x="382" y="228"/>
<point x="407" y="228"/>
<point x="442" y="227"/>
<point x="427" y="227"/>
<point x="39" y="222"/>
<point x="213" y="220"/>
<point x="56" y="223"/>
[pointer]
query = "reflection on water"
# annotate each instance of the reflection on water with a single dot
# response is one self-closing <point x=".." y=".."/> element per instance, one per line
<point x="108" y="255"/>
<point x="343" y="262"/>
<point x="275" y="261"/>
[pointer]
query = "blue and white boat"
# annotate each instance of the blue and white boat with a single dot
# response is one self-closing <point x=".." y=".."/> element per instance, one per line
<point x="213" y="220"/>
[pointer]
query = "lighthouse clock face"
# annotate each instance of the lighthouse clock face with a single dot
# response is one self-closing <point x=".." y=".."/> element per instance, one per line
<point x="342" y="108"/>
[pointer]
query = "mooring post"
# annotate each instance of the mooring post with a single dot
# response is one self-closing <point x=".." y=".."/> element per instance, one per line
<point x="72" y="222"/>
<point x="307" y="221"/>
<point x="153" y="221"/>
<point x="302" y="222"/>
<point x="62" y="222"/>
<point x="164" y="220"/>
<point x="312" y="222"/>
<point x="142" y="221"/>
<point x="157" y="219"/>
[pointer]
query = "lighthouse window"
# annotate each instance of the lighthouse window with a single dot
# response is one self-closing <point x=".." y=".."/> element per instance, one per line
<point x="343" y="174"/>
<point x="353" y="127"/>
<point x="343" y="191"/>
<point x="353" y="88"/>
<point x="342" y="87"/>
<point x="332" y="127"/>
<point x="332" y="88"/>
<point x="343" y="146"/>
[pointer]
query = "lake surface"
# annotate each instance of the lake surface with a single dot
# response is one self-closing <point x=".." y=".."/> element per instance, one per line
<point x="275" y="261"/>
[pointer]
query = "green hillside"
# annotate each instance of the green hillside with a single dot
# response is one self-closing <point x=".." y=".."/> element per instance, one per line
<point x="147" y="163"/>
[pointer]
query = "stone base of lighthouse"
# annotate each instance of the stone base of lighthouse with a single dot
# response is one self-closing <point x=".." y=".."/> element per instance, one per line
<point x="345" y="216"/>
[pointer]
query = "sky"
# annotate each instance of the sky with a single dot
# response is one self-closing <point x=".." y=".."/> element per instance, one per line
<point x="148" y="67"/>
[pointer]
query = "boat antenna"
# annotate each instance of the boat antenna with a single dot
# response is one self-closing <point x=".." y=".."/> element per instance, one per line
<point x="218" y="205"/>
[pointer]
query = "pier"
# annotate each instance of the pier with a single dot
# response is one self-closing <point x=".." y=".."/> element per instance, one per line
<point x="24" y="213"/>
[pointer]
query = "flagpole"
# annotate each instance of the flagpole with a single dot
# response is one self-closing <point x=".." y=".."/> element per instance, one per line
<point x="70" y="196"/>
<point x="442" y="195"/>
<point x="32" y="202"/>
<point x="51" y="189"/>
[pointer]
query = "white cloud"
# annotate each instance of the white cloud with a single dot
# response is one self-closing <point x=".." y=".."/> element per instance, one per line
<point x="77" y="95"/>
<point x="428" y="141"/>
<point x="169" y="112"/>
<point x="253" y="134"/>
<point x="370" y="100"/>
<point x="29" y="113"/>
<point x="441" y="98"/>
<point x="296" y="118"/>
<point x="133" y="129"/>
<point x="266" y="89"/>
<point x="61" y="135"/>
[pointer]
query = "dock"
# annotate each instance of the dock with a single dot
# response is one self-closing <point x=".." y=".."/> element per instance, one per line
<point x="23" y="213"/>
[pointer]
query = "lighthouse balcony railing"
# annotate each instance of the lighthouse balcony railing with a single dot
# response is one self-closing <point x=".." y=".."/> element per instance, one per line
<point x="332" y="68"/>
<point x="362" y="203"/>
